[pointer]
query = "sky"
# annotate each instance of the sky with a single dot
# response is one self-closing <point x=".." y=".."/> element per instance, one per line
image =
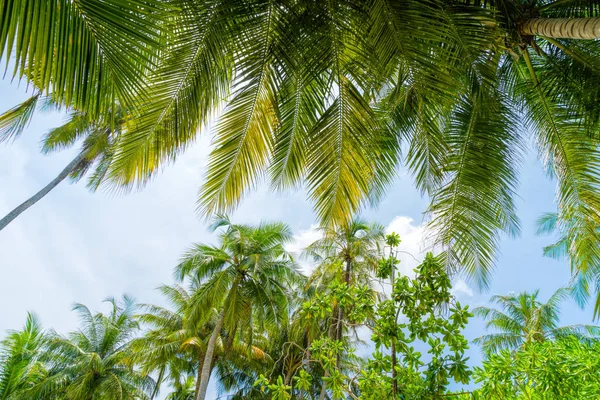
<point x="77" y="246"/>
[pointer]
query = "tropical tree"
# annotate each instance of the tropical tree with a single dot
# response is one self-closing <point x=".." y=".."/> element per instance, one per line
<point x="524" y="319"/>
<point x="20" y="365"/>
<point x="95" y="361"/>
<point x="348" y="254"/>
<point x="585" y="274"/>
<point x="174" y="345"/>
<point x="245" y="283"/>
<point x="171" y="347"/>
<point x="562" y="369"/>
<point x="325" y="94"/>
<point x="95" y="153"/>
<point x="433" y="320"/>
<point x="183" y="390"/>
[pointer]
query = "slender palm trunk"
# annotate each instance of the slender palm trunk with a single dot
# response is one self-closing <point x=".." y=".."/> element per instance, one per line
<point x="340" y="319"/>
<point x="208" y="358"/>
<point x="161" y="375"/>
<point x="562" y="28"/>
<point x="39" y="195"/>
<point x="394" y="360"/>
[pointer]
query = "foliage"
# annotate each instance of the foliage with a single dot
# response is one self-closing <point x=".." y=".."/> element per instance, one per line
<point x="245" y="317"/>
<point x="95" y="361"/>
<point x="420" y="301"/>
<point x="20" y="365"/>
<point x="563" y="369"/>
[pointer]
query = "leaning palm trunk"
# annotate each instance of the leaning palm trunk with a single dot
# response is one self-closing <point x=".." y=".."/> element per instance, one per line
<point x="39" y="195"/>
<point x="563" y="28"/>
<point x="208" y="358"/>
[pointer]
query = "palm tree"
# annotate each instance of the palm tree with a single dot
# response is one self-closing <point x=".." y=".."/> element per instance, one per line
<point x="172" y="347"/>
<point x="95" y="361"/>
<point x="183" y="390"/>
<point x="244" y="283"/>
<point x="348" y="253"/>
<point x="325" y="94"/>
<point x="95" y="153"/>
<point x="584" y="260"/>
<point x="20" y="365"/>
<point x="524" y="319"/>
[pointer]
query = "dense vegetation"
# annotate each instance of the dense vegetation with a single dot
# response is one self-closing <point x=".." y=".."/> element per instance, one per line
<point x="242" y="315"/>
<point x="331" y="96"/>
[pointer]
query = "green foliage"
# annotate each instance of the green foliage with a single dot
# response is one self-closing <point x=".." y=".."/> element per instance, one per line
<point x="562" y="369"/>
<point x="93" y="362"/>
<point x="244" y="315"/>
<point x="15" y="120"/>
<point x="420" y="301"/>
<point x="20" y="365"/>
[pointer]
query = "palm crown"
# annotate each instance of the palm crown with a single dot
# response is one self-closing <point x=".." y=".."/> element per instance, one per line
<point x="325" y="94"/>
<point x="95" y="361"/>
<point x="524" y="319"/>
<point x="19" y="359"/>
<point x="244" y="280"/>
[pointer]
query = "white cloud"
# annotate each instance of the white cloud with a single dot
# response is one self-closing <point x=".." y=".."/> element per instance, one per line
<point x="460" y="289"/>
<point x="302" y="240"/>
<point x="412" y="247"/>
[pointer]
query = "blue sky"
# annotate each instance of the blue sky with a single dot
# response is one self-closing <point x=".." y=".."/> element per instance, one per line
<point x="77" y="246"/>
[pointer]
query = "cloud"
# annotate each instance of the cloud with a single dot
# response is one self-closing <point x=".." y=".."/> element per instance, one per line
<point x="460" y="289"/>
<point x="412" y="246"/>
<point x="302" y="240"/>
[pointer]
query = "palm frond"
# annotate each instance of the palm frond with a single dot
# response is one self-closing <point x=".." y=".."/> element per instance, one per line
<point x="476" y="203"/>
<point x="84" y="53"/>
<point x="15" y="120"/>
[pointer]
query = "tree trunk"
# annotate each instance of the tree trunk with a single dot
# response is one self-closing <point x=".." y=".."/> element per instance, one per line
<point x="394" y="373"/>
<point x="208" y="357"/>
<point x="324" y="387"/>
<point x="199" y="373"/>
<point x="562" y="28"/>
<point x="39" y="195"/>
<point x="161" y="375"/>
<point x="394" y="360"/>
<point x="339" y="332"/>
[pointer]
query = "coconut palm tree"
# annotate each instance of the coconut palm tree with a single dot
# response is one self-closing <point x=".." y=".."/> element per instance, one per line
<point x="183" y="390"/>
<point x="20" y="365"/>
<point x="175" y="345"/>
<point x="93" y="157"/>
<point x="349" y="254"/>
<point x="523" y="319"/>
<point x="171" y="347"/>
<point x="244" y="283"/>
<point x="325" y="94"/>
<point x="95" y="361"/>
